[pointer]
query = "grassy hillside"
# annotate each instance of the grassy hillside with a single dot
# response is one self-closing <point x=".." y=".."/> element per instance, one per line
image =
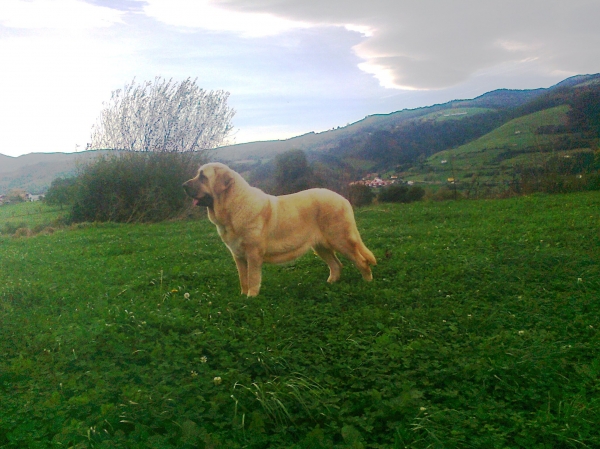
<point x="516" y="142"/>
<point x="517" y="135"/>
<point x="480" y="330"/>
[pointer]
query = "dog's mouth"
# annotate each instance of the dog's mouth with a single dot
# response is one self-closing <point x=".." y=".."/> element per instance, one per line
<point x="205" y="201"/>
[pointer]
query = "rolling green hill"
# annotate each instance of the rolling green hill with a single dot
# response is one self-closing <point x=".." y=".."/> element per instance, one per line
<point x="515" y="142"/>
<point x="499" y="155"/>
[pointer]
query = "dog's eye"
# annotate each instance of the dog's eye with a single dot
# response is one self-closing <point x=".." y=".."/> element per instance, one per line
<point x="202" y="176"/>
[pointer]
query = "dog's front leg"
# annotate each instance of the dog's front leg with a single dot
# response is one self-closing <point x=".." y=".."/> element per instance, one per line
<point x="254" y="260"/>
<point x="242" y="267"/>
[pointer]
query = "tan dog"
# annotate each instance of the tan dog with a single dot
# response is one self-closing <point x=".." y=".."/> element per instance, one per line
<point x="258" y="228"/>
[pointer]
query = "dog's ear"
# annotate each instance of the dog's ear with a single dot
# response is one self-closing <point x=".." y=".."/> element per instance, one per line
<point x="223" y="180"/>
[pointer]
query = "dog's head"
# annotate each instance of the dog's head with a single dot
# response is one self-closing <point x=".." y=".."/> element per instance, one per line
<point x="209" y="184"/>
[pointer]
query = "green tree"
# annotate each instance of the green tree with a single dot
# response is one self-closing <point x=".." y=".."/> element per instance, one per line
<point x="61" y="192"/>
<point x="292" y="172"/>
<point x="360" y="195"/>
<point x="584" y="115"/>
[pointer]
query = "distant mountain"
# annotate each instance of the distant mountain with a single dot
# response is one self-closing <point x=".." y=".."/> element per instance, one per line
<point x="35" y="171"/>
<point x="377" y="142"/>
<point x="500" y="99"/>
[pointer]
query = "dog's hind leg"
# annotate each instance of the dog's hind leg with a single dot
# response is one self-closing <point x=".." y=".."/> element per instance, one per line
<point x="328" y="255"/>
<point x="359" y="254"/>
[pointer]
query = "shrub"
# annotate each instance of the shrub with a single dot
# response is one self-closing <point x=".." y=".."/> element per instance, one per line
<point x="415" y="194"/>
<point x="401" y="194"/>
<point x="360" y="195"/>
<point x="22" y="232"/>
<point x="133" y="187"/>
<point x="393" y="194"/>
<point x="17" y="196"/>
<point x="445" y="194"/>
<point x="11" y="227"/>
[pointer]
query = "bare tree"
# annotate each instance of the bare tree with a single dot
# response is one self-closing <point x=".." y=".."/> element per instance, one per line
<point x="163" y="115"/>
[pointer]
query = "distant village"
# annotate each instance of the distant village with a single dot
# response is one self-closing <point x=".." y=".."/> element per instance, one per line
<point x="373" y="180"/>
<point x="4" y="199"/>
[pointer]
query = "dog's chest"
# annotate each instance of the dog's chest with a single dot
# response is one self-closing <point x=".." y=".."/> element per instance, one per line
<point x="231" y="239"/>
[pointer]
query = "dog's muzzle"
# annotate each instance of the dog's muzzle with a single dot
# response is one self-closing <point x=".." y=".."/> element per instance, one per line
<point x="205" y="200"/>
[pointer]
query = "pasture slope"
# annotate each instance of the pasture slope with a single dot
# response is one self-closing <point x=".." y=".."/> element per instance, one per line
<point x="480" y="330"/>
<point x="495" y="155"/>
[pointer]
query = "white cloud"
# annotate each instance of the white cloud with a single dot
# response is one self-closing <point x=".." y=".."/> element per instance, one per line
<point x="202" y="14"/>
<point x="56" y="14"/>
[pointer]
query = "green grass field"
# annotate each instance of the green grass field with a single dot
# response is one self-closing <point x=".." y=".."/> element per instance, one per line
<point x="480" y="330"/>
<point x="28" y="215"/>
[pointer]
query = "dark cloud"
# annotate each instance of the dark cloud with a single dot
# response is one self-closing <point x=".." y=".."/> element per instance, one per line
<point x="430" y="44"/>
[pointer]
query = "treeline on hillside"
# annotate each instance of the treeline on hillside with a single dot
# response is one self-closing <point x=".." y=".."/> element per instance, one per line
<point x="134" y="187"/>
<point x="559" y="174"/>
<point x="418" y="139"/>
<point x="296" y="170"/>
<point x="293" y="171"/>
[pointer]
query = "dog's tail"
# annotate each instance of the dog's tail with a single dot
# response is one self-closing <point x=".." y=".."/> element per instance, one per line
<point x="366" y="253"/>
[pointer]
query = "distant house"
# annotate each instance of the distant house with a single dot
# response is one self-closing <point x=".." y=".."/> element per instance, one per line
<point x="378" y="182"/>
<point x="33" y="198"/>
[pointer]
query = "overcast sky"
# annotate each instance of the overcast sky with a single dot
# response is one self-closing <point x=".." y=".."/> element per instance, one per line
<point x="291" y="66"/>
